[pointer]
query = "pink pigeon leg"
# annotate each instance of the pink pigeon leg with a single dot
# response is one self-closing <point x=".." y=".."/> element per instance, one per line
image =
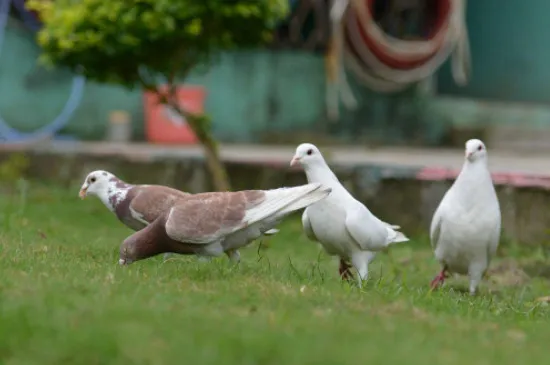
<point x="439" y="279"/>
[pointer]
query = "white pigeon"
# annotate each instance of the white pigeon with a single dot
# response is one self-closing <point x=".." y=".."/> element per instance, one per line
<point x="340" y="223"/>
<point x="465" y="228"/>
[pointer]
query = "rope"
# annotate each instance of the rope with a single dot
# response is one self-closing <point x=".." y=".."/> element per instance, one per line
<point x="9" y="134"/>
<point x="454" y="38"/>
<point x="462" y="57"/>
<point x="412" y="61"/>
<point x="396" y="75"/>
<point x="338" y="84"/>
<point x="396" y="48"/>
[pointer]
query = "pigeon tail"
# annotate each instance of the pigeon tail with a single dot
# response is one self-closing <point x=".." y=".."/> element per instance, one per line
<point x="396" y="237"/>
<point x="316" y="192"/>
<point x="271" y="232"/>
<point x="400" y="238"/>
<point x="280" y="202"/>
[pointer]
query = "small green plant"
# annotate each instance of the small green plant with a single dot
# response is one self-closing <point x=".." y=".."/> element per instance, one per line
<point x="13" y="168"/>
<point x="136" y="43"/>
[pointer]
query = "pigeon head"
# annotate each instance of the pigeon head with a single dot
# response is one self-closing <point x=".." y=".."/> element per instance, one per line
<point x="307" y="155"/>
<point x="475" y="150"/>
<point x="96" y="183"/>
<point x="138" y="247"/>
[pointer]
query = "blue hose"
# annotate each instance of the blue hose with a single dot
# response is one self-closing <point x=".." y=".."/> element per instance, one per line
<point x="9" y="134"/>
<point x="28" y="18"/>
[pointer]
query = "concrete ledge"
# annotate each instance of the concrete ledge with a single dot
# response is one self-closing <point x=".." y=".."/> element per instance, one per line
<point x="401" y="186"/>
<point x="517" y="126"/>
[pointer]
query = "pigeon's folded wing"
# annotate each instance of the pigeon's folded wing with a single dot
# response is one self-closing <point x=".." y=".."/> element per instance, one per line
<point x="150" y="201"/>
<point x="307" y="227"/>
<point x="435" y="227"/>
<point x="203" y="221"/>
<point x="494" y="239"/>
<point x="448" y="207"/>
<point x="392" y="226"/>
<point x="369" y="232"/>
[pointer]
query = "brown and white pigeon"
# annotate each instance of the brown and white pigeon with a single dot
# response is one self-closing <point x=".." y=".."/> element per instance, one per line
<point x="210" y="224"/>
<point x="135" y="205"/>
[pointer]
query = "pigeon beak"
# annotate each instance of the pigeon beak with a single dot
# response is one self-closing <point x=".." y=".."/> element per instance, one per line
<point x="295" y="160"/>
<point x="82" y="193"/>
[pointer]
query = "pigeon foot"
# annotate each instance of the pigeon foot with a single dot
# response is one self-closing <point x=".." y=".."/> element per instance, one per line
<point x="345" y="270"/>
<point x="439" y="279"/>
<point x="234" y="256"/>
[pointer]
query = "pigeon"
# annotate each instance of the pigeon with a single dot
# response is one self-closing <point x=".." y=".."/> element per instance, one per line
<point x="210" y="224"/>
<point x="465" y="228"/>
<point x="135" y="205"/>
<point x="340" y="223"/>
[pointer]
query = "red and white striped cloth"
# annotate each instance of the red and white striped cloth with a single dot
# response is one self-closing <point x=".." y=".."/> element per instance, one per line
<point x="384" y="63"/>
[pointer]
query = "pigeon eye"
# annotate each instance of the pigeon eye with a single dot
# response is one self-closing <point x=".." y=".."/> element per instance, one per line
<point x="480" y="147"/>
<point x="92" y="180"/>
<point x="309" y="152"/>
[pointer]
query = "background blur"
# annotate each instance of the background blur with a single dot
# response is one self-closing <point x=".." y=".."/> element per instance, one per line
<point x="261" y="95"/>
<point x="389" y="90"/>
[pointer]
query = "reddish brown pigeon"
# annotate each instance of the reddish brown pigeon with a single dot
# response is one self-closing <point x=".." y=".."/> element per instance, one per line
<point x="210" y="224"/>
<point x="135" y="205"/>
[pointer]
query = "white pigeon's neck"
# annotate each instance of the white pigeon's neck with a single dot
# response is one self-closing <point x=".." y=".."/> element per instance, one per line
<point x="479" y="167"/>
<point x="320" y="172"/>
<point x="474" y="179"/>
<point x="113" y="194"/>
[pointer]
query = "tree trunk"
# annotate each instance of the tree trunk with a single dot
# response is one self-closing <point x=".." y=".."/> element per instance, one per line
<point x="214" y="163"/>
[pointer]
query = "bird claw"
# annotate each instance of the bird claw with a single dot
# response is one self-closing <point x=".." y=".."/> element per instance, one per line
<point x="345" y="270"/>
<point x="435" y="283"/>
<point x="439" y="279"/>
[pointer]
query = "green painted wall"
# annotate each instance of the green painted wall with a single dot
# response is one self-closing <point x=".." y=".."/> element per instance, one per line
<point x="510" y="53"/>
<point x="248" y="93"/>
<point x="31" y="96"/>
<point x="254" y="96"/>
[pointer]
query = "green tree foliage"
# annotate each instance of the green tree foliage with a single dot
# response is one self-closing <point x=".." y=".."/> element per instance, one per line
<point x="132" y="43"/>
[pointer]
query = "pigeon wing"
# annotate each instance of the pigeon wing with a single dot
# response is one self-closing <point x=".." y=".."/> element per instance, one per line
<point x="307" y="227"/>
<point x="151" y="201"/>
<point x="435" y="227"/>
<point x="494" y="239"/>
<point x="369" y="232"/>
<point x="448" y="200"/>
<point x="203" y="221"/>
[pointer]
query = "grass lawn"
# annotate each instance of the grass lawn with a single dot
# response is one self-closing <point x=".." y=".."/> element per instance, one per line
<point x="65" y="300"/>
